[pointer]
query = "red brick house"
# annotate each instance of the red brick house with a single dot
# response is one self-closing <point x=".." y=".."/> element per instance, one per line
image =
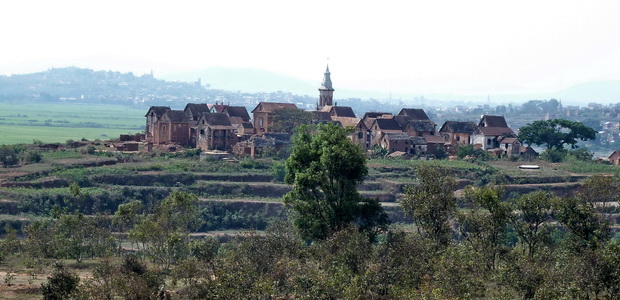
<point x="153" y="129"/>
<point x="402" y="142"/>
<point x="173" y="128"/>
<point x="615" y="158"/>
<point x="457" y="134"/>
<point x="215" y="132"/>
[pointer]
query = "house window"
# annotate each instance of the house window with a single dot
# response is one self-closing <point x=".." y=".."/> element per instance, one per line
<point x="164" y="128"/>
<point x="458" y="138"/>
<point x="360" y="135"/>
<point x="489" y="141"/>
<point x="202" y="131"/>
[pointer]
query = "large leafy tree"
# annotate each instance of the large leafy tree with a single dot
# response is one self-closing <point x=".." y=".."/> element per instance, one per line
<point x="431" y="203"/>
<point x="287" y="119"/>
<point x="555" y="133"/>
<point x="325" y="169"/>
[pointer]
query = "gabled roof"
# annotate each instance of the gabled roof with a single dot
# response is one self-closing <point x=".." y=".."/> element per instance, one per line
<point x="347" y="121"/>
<point x="614" y="154"/>
<point x="493" y="131"/>
<point x="530" y="151"/>
<point x="176" y="116"/>
<point x="507" y="140"/>
<point x="196" y="108"/>
<point x="237" y="111"/>
<point x="415" y="113"/>
<point x="374" y="114"/>
<point x="370" y="117"/>
<point x="492" y="121"/>
<point x="343" y="111"/>
<point x="271" y="106"/>
<point x="386" y="124"/>
<point x="422" y="125"/>
<point x="235" y="120"/>
<point x="158" y="110"/>
<point x="216" y="120"/>
<point x="458" y="127"/>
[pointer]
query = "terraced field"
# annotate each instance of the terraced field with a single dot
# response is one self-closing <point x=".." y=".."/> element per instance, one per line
<point x="234" y="195"/>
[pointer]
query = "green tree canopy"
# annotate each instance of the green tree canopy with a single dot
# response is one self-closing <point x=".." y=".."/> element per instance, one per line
<point x="325" y="169"/>
<point x="287" y="119"/>
<point x="431" y="203"/>
<point x="555" y="133"/>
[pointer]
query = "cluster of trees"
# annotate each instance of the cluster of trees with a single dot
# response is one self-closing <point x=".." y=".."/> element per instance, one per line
<point x="13" y="155"/>
<point x="536" y="246"/>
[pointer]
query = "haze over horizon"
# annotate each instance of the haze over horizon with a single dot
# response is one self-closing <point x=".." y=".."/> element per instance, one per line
<point x="469" y="48"/>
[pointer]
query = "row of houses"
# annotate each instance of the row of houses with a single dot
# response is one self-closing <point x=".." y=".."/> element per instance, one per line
<point x="225" y="127"/>
<point x="221" y="127"/>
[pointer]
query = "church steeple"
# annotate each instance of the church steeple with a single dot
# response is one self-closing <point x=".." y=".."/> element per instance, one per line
<point x="326" y="91"/>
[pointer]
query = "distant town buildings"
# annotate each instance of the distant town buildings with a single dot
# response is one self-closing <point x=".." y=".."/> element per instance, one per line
<point x="229" y="128"/>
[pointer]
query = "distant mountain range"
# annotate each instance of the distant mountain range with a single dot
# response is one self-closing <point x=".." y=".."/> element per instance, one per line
<point x="217" y="82"/>
<point x="254" y="80"/>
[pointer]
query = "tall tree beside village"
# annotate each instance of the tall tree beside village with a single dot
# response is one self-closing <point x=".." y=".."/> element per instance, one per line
<point x="325" y="169"/>
<point x="555" y="133"/>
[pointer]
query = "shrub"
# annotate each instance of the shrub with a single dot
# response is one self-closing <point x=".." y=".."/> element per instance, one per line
<point x="61" y="284"/>
<point x="34" y="157"/>
<point x="278" y="170"/>
<point x="8" y="155"/>
<point x="554" y="155"/>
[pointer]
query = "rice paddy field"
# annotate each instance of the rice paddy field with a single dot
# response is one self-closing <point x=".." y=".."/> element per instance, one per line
<point x="59" y="122"/>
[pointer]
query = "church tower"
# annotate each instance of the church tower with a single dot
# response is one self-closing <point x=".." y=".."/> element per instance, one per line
<point x="326" y="91"/>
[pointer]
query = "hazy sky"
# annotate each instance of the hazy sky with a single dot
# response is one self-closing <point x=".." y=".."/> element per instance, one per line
<point x="466" y="47"/>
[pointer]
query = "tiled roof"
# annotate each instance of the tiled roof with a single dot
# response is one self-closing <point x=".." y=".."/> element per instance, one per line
<point x="458" y="127"/>
<point x="343" y="111"/>
<point x="196" y="108"/>
<point x="177" y="116"/>
<point x="492" y="121"/>
<point x="346" y="121"/>
<point x="158" y="110"/>
<point x="271" y="106"/>
<point x="237" y="111"/>
<point x="386" y="124"/>
<point x="422" y="125"/>
<point x="415" y="113"/>
<point x="496" y="131"/>
<point x="217" y="120"/>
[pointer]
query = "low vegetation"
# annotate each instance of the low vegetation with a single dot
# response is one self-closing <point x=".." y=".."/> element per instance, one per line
<point x="96" y="224"/>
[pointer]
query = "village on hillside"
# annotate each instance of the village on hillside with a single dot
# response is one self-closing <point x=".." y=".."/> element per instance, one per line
<point x="227" y="128"/>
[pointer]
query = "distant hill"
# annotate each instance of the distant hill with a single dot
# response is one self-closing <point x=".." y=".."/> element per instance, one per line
<point x="86" y="85"/>
<point x="224" y="84"/>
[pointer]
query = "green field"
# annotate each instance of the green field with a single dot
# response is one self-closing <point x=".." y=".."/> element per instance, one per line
<point x="58" y="122"/>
